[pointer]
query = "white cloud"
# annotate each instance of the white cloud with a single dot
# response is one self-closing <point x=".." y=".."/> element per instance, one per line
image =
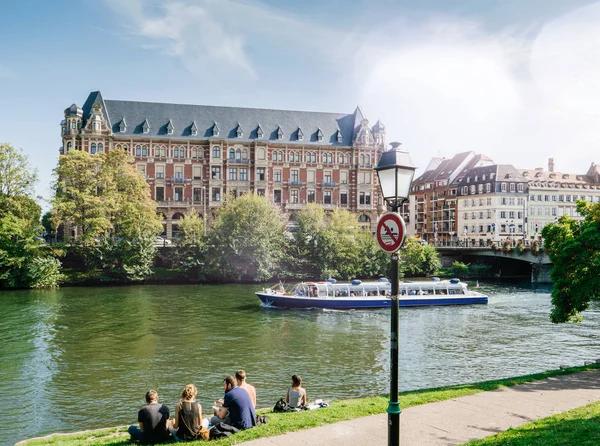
<point x="448" y="86"/>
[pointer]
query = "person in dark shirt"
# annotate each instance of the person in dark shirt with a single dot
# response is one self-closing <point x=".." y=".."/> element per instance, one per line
<point x="152" y="419"/>
<point x="239" y="404"/>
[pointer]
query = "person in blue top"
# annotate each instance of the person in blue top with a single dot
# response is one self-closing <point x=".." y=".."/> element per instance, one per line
<point x="238" y="403"/>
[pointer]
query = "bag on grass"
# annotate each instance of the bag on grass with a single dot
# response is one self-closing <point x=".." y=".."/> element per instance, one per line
<point x="280" y="406"/>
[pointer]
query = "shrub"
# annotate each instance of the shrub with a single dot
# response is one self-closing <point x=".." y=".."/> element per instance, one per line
<point x="44" y="272"/>
<point x="460" y="269"/>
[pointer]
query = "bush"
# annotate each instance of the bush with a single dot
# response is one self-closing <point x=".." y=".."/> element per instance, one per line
<point x="460" y="269"/>
<point x="44" y="272"/>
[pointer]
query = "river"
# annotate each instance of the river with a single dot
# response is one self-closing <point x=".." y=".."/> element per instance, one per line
<point x="83" y="358"/>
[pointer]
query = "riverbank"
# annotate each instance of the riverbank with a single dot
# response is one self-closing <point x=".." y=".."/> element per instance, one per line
<point x="337" y="412"/>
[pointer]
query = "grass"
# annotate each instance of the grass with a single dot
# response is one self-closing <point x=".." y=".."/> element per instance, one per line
<point x="579" y="426"/>
<point x="280" y="423"/>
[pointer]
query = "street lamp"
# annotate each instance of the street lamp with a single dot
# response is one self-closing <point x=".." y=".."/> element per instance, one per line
<point x="395" y="173"/>
<point x="204" y="198"/>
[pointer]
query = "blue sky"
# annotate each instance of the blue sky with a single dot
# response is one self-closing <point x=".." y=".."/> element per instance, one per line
<point x="513" y="79"/>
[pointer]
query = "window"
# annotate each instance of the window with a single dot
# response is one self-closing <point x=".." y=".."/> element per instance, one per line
<point x="100" y="147"/>
<point x="277" y="176"/>
<point x="294" y="196"/>
<point x="489" y="214"/>
<point x="138" y="150"/>
<point x="343" y="197"/>
<point x="294" y="176"/>
<point x="144" y="151"/>
<point x="310" y="175"/>
<point x="197" y="172"/>
<point x="260" y="192"/>
<point x="344" y="177"/>
<point x="176" y="153"/>
<point x="511" y="214"/>
<point x="465" y="190"/>
<point x="364" y="178"/>
<point x="231" y="154"/>
<point x="160" y="171"/>
<point x="216" y="194"/>
<point x="489" y="201"/>
<point x="327" y="176"/>
<point x="512" y="187"/>
<point x="179" y="172"/>
<point x="216" y="152"/>
<point x="260" y="174"/>
<point x="280" y="156"/>
<point x="502" y="214"/>
<point x="466" y="216"/>
<point x="502" y="228"/>
<point x="277" y="196"/>
<point x="503" y="187"/>
<point x="93" y="148"/>
<point x="216" y="173"/>
<point x="142" y="168"/>
<point x="364" y="198"/>
<point x="481" y="215"/>
<point x="197" y="194"/>
<point x="244" y="174"/>
<point x="178" y="194"/>
<point x="327" y="197"/>
<point x="472" y="189"/>
<point x="488" y="187"/>
<point x="159" y="193"/>
<point x="311" y="196"/>
<point x="520" y="187"/>
<point x="519" y="214"/>
<point x="232" y="174"/>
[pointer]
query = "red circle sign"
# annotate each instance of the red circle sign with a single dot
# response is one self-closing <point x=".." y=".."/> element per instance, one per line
<point x="390" y="232"/>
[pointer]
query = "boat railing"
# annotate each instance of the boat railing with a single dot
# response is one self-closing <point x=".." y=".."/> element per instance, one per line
<point x="342" y="290"/>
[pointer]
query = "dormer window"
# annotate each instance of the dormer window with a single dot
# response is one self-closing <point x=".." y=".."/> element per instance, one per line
<point x="300" y="134"/>
<point x="259" y="132"/>
<point x="338" y="135"/>
<point x="215" y="129"/>
<point x="122" y="126"/>
<point x="239" y="131"/>
<point x="146" y="126"/>
<point x="169" y="128"/>
<point x="194" y="129"/>
<point x="279" y="133"/>
<point x="319" y="135"/>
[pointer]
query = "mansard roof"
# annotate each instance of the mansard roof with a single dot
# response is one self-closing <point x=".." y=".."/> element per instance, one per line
<point x="228" y="118"/>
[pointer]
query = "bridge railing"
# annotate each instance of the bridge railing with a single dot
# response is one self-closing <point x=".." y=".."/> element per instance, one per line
<point x="483" y="244"/>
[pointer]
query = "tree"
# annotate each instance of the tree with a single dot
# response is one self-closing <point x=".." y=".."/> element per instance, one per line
<point x="418" y="259"/>
<point x="247" y="241"/>
<point x="24" y="261"/>
<point x="16" y="178"/>
<point x="108" y="201"/>
<point x="191" y="248"/>
<point x="574" y="249"/>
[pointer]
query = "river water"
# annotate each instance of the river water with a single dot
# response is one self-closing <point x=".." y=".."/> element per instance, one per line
<point x="82" y="358"/>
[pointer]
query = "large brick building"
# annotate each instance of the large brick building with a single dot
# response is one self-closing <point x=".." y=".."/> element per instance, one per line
<point x="195" y="156"/>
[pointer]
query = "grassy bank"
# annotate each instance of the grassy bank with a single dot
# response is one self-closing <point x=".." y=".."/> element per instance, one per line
<point x="338" y="411"/>
<point x="578" y="426"/>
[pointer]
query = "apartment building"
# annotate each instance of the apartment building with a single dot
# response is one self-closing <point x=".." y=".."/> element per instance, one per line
<point x="195" y="156"/>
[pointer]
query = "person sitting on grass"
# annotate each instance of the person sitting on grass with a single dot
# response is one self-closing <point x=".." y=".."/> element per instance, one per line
<point x="236" y="406"/>
<point x="188" y="416"/>
<point x="240" y="377"/>
<point x="153" y="419"/>
<point x="296" y="395"/>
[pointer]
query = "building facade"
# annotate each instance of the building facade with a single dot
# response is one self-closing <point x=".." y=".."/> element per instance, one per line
<point x="194" y="157"/>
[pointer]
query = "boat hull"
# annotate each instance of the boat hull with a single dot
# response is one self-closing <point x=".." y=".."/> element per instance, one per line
<point x="278" y="300"/>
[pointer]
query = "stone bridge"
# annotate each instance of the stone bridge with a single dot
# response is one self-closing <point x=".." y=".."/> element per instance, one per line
<point x="512" y="263"/>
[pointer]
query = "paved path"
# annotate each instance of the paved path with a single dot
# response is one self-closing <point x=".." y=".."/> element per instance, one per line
<point x="458" y="420"/>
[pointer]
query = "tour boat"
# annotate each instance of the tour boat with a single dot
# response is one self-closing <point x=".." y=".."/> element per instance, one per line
<point x="357" y="294"/>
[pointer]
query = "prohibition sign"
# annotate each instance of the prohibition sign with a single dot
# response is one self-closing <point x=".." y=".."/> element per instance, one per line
<point x="390" y="232"/>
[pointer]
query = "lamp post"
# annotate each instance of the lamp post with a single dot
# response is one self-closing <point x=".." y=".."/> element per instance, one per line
<point x="204" y="198"/>
<point x="395" y="173"/>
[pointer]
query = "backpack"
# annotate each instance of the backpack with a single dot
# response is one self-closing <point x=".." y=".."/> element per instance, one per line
<point x="222" y="430"/>
<point x="280" y="406"/>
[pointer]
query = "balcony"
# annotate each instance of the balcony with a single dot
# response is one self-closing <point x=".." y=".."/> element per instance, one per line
<point x="173" y="203"/>
<point x="294" y="205"/>
<point x="328" y="184"/>
<point x="295" y="183"/>
<point x="177" y="180"/>
<point x="239" y="161"/>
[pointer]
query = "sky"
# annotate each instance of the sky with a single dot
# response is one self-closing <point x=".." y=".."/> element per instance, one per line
<point x="518" y="81"/>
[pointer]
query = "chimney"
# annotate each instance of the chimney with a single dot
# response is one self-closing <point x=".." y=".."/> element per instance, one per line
<point x="550" y="164"/>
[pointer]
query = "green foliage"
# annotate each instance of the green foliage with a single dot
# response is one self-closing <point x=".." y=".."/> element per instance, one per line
<point x="574" y="249"/>
<point x="44" y="272"/>
<point x="460" y="269"/>
<point x="417" y="259"/>
<point x="247" y="240"/>
<point x="24" y="261"/>
<point x="519" y="249"/>
<point x="108" y="201"/>
<point x="191" y="247"/>
<point x="16" y="178"/>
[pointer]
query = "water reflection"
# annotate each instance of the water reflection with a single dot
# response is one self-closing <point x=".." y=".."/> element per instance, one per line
<point x="74" y="350"/>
